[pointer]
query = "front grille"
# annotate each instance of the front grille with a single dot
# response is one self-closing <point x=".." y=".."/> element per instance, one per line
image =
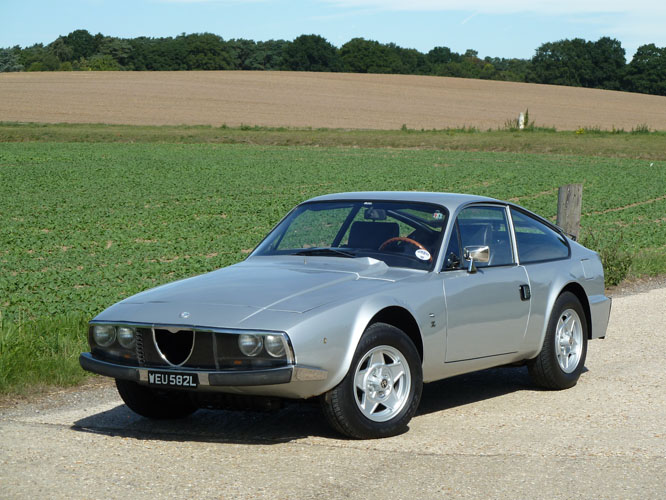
<point x="175" y="347"/>
<point x="169" y="347"/>
<point x="196" y="349"/>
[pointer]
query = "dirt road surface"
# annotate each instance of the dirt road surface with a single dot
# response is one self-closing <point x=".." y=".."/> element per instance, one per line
<point x="485" y="435"/>
<point x="301" y="99"/>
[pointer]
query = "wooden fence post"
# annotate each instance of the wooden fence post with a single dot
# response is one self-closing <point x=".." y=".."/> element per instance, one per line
<point x="569" y="201"/>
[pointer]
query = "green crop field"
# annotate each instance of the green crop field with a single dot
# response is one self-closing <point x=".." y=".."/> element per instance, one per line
<point x="86" y="224"/>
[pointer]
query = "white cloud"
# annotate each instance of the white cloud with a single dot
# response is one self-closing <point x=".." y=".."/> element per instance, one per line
<point x="550" y="7"/>
<point x="469" y="18"/>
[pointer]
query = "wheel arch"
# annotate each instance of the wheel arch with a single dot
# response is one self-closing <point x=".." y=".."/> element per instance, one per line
<point x="580" y="294"/>
<point x="401" y="318"/>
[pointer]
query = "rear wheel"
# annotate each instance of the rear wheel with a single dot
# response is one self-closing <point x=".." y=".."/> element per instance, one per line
<point x="562" y="357"/>
<point x="153" y="403"/>
<point x="382" y="389"/>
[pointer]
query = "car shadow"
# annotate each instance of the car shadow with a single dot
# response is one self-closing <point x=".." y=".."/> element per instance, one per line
<point x="473" y="388"/>
<point x="296" y="420"/>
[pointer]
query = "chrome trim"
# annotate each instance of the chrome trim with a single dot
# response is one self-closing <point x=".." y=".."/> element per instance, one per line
<point x="474" y="254"/>
<point x="512" y="232"/>
<point x="291" y="356"/>
<point x="480" y="253"/>
<point x="181" y="326"/>
<point x="159" y="351"/>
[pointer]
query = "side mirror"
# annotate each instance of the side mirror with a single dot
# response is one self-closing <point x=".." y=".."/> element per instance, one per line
<point x="476" y="254"/>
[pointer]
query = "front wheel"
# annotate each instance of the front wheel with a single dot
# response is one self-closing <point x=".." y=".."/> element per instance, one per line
<point x="382" y="389"/>
<point x="154" y="403"/>
<point x="562" y="357"/>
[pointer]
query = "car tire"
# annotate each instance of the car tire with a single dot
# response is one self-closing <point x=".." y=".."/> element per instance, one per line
<point x="382" y="389"/>
<point x="153" y="403"/>
<point x="562" y="357"/>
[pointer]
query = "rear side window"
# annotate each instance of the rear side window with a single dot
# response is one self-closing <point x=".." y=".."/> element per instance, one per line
<point x="537" y="242"/>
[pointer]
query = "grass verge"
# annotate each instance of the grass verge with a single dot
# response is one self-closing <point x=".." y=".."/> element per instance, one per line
<point x="588" y="142"/>
<point x="42" y="352"/>
<point x="648" y="262"/>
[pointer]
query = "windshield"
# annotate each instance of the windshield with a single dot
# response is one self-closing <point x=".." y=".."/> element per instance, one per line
<point x="401" y="234"/>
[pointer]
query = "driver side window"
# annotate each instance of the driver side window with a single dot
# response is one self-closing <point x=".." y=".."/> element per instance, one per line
<point x="486" y="226"/>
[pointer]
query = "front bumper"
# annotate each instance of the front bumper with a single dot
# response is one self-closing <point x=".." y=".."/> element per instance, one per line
<point x="208" y="379"/>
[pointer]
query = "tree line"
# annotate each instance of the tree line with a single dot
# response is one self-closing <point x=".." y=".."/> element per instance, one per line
<point x="576" y="62"/>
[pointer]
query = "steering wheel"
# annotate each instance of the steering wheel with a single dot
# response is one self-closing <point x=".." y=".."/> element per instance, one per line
<point x="408" y="240"/>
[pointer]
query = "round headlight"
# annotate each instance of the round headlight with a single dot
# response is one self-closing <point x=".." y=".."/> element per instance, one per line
<point x="274" y="345"/>
<point x="126" y="337"/>
<point x="250" y="345"/>
<point x="104" y="335"/>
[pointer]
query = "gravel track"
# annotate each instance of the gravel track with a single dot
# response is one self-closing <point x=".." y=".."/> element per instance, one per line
<point x="484" y="435"/>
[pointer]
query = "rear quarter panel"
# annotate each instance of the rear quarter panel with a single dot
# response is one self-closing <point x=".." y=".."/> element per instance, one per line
<point x="548" y="280"/>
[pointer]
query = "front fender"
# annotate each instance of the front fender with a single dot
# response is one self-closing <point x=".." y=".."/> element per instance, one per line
<point x="328" y="339"/>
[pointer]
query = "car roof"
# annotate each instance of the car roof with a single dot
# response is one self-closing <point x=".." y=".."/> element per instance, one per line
<point x="449" y="200"/>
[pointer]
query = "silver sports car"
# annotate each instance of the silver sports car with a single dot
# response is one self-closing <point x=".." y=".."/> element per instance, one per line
<point x="358" y="299"/>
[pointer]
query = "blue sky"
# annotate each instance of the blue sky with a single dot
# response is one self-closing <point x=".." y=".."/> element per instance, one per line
<point x="511" y="28"/>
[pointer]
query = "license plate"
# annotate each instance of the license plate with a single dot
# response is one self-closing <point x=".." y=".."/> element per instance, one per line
<point x="167" y="379"/>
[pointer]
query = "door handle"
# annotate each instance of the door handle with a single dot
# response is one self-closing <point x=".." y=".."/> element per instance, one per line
<point x="525" y="293"/>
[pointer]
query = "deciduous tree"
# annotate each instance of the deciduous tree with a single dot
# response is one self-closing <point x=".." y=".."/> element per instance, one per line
<point x="646" y="73"/>
<point x="10" y="60"/>
<point x="312" y="53"/>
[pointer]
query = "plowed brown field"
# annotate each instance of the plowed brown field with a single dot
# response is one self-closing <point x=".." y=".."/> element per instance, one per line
<point x="313" y="100"/>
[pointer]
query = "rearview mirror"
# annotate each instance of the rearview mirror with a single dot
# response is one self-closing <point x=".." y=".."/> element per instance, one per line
<point x="375" y="214"/>
<point x="476" y="254"/>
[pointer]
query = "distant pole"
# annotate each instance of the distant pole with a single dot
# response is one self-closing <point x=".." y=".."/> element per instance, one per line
<point x="569" y="201"/>
<point x="521" y="121"/>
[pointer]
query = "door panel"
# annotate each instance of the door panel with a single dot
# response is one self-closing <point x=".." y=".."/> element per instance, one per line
<point x="485" y="313"/>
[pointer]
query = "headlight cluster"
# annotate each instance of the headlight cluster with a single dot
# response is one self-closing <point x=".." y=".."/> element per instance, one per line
<point x="251" y="345"/>
<point x="106" y="335"/>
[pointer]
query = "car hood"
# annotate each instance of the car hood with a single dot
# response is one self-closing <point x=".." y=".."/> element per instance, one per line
<point x="230" y="296"/>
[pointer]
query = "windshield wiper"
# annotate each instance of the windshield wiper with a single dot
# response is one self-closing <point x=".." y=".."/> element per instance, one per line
<point x="325" y="251"/>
